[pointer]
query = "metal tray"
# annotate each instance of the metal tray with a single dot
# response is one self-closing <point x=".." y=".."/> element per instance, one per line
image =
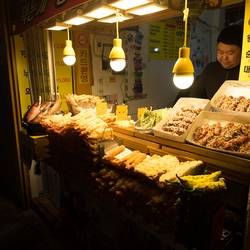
<point x="90" y="106"/>
<point x="142" y="130"/>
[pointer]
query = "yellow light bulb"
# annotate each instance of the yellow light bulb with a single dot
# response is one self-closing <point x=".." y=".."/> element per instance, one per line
<point x="69" y="56"/>
<point x="183" y="81"/>
<point x="183" y="69"/>
<point x="117" y="56"/>
<point x="117" y="64"/>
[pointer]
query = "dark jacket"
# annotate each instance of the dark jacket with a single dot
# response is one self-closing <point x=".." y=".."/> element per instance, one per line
<point x="211" y="78"/>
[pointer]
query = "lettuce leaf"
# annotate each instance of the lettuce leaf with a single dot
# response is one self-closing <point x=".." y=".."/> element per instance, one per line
<point x="151" y="118"/>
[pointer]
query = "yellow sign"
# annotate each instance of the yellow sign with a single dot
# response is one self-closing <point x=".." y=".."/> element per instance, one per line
<point x="121" y="113"/>
<point x="140" y="112"/>
<point x="101" y="108"/>
<point x="22" y="72"/>
<point x="245" y="56"/>
<point x="83" y="65"/>
<point x="83" y="58"/>
<point x="63" y="71"/>
<point x="165" y="38"/>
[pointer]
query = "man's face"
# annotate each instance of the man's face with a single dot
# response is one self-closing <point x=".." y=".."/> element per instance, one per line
<point x="229" y="56"/>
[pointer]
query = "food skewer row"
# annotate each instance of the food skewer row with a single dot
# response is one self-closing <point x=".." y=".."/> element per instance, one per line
<point x="231" y="137"/>
<point x="155" y="168"/>
<point x="182" y="120"/>
<point x="239" y="104"/>
<point x="83" y="131"/>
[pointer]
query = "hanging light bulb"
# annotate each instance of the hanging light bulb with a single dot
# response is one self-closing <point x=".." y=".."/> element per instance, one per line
<point x="183" y="69"/>
<point x="69" y="55"/>
<point x="117" y="55"/>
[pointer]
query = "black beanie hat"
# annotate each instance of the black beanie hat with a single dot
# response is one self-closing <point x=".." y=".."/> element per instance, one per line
<point x="231" y="35"/>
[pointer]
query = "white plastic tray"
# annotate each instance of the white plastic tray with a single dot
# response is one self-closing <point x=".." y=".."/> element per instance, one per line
<point x="235" y="89"/>
<point x="214" y="117"/>
<point x="204" y="103"/>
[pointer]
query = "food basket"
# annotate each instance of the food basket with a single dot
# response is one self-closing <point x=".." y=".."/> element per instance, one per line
<point x="182" y="102"/>
<point x="233" y="104"/>
<point x="213" y="118"/>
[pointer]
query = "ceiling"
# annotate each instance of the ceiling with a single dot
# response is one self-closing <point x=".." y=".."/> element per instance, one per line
<point x="96" y="27"/>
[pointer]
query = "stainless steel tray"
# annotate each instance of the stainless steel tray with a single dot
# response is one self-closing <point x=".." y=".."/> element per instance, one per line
<point x="142" y="130"/>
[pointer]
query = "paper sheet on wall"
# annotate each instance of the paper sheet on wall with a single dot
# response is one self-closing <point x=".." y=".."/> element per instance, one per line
<point x="165" y="37"/>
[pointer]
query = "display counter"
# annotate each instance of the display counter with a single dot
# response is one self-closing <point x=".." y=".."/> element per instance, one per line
<point x="92" y="212"/>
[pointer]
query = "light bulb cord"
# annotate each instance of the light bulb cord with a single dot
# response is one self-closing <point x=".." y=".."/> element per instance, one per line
<point x="185" y="18"/>
<point x="117" y="32"/>
<point x="68" y="32"/>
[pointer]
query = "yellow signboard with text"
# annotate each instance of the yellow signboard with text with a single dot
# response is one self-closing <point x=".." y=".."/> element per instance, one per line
<point x="22" y="74"/>
<point x="165" y="38"/>
<point x="83" y="64"/>
<point x="245" y="57"/>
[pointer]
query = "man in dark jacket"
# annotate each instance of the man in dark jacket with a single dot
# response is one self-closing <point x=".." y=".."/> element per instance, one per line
<point x="226" y="67"/>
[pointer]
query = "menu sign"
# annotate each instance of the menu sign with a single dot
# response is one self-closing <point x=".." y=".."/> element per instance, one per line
<point x="30" y="13"/>
<point x="245" y="57"/>
<point x="83" y="64"/>
<point x="165" y="38"/>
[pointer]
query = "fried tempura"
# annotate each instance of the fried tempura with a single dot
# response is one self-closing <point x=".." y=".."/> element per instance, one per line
<point x="114" y="152"/>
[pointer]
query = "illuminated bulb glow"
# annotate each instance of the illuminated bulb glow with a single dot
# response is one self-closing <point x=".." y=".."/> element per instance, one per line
<point x="183" y="81"/>
<point x="69" y="60"/>
<point x="183" y="69"/>
<point x="117" y="64"/>
<point x="117" y="56"/>
<point x="69" y="56"/>
<point x="128" y="4"/>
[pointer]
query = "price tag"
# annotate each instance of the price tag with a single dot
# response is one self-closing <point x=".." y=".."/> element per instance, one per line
<point x="121" y="113"/>
<point x="140" y="112"/>
<point x="101" y="108"/>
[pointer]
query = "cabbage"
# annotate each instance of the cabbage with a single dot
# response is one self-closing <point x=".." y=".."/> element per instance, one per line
<point x="151" y="118"/>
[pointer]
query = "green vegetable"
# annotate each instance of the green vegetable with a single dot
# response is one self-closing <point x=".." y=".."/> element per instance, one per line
<point x="151" y="118"/>
<point x="211" y="186"/>
<point x="204" y="183"/>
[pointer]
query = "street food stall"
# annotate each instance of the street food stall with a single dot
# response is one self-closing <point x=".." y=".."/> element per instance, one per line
<point x="116" y="173"/>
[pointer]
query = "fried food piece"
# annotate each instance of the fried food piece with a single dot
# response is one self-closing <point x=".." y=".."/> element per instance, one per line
<point x="127" y="157"/>
<point x="156" y="165"/>
<point x="141" y="157"/>
<point x="114" y="152"/>
<point x="132" y="159"/>
<point x="181" y="170"/>
<point x="116" y="162"/>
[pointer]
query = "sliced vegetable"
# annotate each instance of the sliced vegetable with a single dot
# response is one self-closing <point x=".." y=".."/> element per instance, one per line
<point x="150" y="118"/>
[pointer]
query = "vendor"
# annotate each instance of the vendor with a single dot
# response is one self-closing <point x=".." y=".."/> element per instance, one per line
<point x="226" y="67"/>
